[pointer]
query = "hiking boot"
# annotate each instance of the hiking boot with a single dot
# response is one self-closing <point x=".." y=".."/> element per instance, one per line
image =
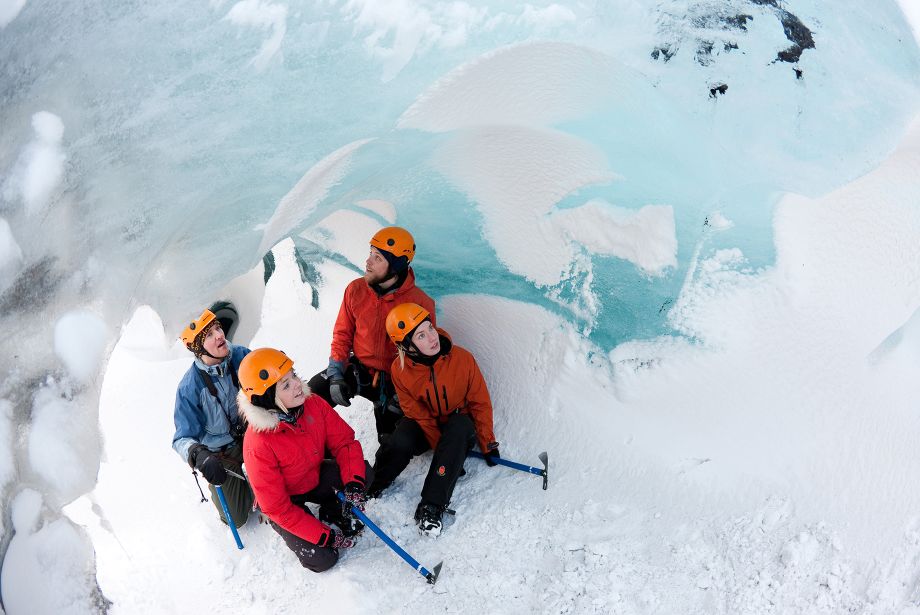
<point x="428" y="518"/>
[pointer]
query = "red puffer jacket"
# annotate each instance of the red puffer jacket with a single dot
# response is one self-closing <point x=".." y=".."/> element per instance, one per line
<point x="283" y="459"/>
<point x="361" y="324"/>
<point x="429" y="395"/>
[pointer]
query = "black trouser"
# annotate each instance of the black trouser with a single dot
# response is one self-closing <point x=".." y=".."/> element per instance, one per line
<point x="381" y="393"/>
<point x="312" y="556"/>
<point x="237" y="492"/>
<point x="458" y="436"/>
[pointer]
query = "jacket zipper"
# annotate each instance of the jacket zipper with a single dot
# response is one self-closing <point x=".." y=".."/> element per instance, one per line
<point x="434" y="381"/>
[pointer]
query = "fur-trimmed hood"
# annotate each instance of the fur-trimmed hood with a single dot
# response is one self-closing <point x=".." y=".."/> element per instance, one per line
<point x="259" y="418"/>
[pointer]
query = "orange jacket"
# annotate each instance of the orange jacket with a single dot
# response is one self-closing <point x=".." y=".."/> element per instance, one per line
<point x="429" y="395"/>
<point x="361" y="324"/>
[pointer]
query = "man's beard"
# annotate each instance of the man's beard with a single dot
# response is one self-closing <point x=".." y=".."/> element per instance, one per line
<point x="372" y="279"/>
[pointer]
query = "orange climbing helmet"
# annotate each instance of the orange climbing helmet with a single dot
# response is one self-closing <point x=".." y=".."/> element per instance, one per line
<point x="403" y="319"/>
<point x="196" y="328"/>
<point x="397" y="245"/>
<point x="261" y="369"/>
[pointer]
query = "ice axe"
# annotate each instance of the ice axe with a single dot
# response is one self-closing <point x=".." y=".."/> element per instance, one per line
<point x="235" y="475"/>
<point x="544" y="472"/>
<point x="229" y="517"/>
<point x="431" y="577"/>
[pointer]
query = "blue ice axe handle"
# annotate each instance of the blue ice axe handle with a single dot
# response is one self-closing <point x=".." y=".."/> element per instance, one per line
<point x="520" y="466"/>
<point x="228" y="516"/>
<point x="432" y="577"/>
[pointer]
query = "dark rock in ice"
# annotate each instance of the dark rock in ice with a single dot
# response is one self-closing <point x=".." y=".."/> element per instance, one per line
<point x="704" y="53"/>
<point x="664" y="53"/>
<point x="703" y="21"/>
<point x="798" y="35"/>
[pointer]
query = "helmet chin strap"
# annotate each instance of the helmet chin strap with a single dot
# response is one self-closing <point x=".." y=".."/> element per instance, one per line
<point x="391" y="276"/>
<point x="396" y="277"/>
<point x="411" y="349"/>
<point x="206" y="353"/>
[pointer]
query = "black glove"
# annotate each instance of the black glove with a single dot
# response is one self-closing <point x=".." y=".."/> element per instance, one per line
<point x="336" y="540"/>
<point x="492" y="455"/>
<point x="355" y="495"/>
<point x="340" y="392"/>
<point x="208" y="464"/>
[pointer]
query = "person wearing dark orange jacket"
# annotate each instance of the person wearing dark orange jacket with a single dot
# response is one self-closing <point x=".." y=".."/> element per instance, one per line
<point x="289" y="436"/>
<point x="446" y="407"/>
<point x="361" y="352"/>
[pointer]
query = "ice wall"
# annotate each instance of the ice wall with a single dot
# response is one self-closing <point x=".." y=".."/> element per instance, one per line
<point x="151" y="153"/>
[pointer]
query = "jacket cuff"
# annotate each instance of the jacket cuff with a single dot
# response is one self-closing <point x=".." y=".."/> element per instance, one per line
<point x="336" y="370"/>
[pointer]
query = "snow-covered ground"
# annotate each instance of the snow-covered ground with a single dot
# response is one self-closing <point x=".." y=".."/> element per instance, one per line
<point x="763" y="461"/>
<point x="767" y="467"/>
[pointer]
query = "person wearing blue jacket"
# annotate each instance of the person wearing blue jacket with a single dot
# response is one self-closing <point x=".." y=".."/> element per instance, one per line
<point x="209" y="431"/>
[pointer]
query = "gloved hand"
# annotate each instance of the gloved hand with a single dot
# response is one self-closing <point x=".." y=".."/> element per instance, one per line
<point x="336" y="540"/>
<point x="492" y="454"/>
<point x="340" y="392"/>
<point x="208" y="464"/>
<point x="355" y="495"/>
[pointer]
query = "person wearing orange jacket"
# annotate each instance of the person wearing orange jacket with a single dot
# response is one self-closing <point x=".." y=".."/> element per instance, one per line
<point x="361" y="352"/>
<point x="289" y="434"/>
<point x="446" y="407"/>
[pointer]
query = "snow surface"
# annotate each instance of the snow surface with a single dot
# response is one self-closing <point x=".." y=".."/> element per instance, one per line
<point x="7" y="461"/>
<point x="542" y="84"/>
<point x="40" y="166"/>
<point x="48" y="567"/>
<point x="10" y="255"/>
<point x="80" y="339"/>
<point x="63" y="443"/>
<point x="400" y="29"/>
<point x="263" y="16"/>
<point x="548" y="165"/>
<point x="664" y="495"/>
<point x="306" y="194"/>
<point x="335" y="232"/>
<point x="9" y="9"/>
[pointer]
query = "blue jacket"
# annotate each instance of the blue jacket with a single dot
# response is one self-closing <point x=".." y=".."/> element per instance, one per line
<point x="199" y="417"/>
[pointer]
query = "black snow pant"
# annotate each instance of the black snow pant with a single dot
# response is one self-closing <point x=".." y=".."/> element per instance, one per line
<point x="378" y="389"/>
<point x="458" y="436"/>
<point x="237" y="492"/>
<point x="312" y="556"/>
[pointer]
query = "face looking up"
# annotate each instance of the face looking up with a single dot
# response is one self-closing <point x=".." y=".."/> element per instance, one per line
<point x="376" y="268"/>
<point x="426" y="339"/>
<point x="215" y="343"/>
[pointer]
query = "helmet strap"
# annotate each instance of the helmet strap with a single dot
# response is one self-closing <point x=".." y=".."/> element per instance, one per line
<point x="415" y="354"/>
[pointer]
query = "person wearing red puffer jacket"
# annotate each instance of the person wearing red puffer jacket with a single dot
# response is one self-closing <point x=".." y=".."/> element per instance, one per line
<point x="297" y="450"/>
